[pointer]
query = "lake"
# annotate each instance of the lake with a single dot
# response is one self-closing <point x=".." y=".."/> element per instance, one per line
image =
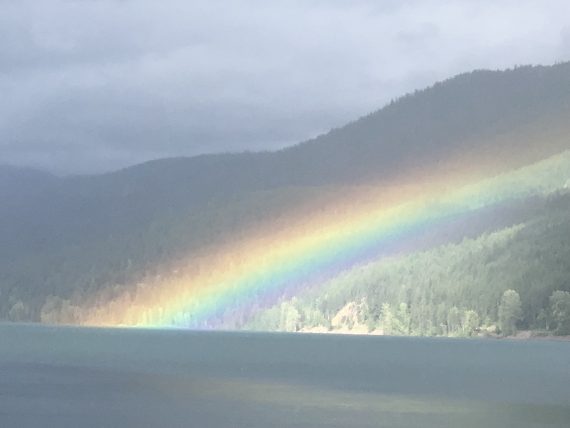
<point x="79" y="377"/>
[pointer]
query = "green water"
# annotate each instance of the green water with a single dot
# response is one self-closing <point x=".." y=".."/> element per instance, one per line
<point x="67" y="377"/>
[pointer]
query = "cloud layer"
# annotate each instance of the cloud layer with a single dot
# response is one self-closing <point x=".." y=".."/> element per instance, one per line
<point x="90" y="86"/>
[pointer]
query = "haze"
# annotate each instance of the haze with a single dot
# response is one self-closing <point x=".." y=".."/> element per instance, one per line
<point x="92" y="86"/>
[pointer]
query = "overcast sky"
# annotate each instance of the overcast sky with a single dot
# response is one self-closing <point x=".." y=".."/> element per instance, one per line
<point x="89" y="86"/>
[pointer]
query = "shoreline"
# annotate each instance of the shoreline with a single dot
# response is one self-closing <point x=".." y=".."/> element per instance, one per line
<point x="522" y="335"/>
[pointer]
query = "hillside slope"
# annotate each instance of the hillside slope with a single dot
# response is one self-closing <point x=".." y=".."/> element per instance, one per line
<point x="77" y="237"/>
<point x="449" y="290"/>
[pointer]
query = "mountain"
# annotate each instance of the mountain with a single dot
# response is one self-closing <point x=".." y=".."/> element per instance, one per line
<point x="75" y="245"/>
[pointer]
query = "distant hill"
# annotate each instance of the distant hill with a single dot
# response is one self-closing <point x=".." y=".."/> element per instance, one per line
<point x="23" y="184"/>
<point x="77" y="237"/>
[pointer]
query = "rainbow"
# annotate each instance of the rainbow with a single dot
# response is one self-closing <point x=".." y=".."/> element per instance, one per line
<point x="255" y="272"/>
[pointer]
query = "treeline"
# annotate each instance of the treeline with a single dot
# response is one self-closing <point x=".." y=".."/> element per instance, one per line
<point x="516" y="278"/>
<point x="65" y="268"/>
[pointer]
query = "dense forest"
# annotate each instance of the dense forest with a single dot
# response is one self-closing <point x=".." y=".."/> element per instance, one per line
<point x="66" y="239"/>
<point x="514" y="278"/>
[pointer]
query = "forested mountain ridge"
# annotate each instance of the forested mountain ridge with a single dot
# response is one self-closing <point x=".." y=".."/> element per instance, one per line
<point x="454" y="289"/>
<point x="72" y="237"/>
<point x="462" y="116"/>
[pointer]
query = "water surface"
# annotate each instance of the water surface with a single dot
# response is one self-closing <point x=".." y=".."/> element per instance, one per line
<point x="71" y="377"/>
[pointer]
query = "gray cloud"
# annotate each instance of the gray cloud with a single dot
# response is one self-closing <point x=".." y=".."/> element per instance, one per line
<point x="95" y="85"/>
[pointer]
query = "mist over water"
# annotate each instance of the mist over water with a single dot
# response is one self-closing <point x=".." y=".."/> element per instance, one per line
<point x="68" y="377"/>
